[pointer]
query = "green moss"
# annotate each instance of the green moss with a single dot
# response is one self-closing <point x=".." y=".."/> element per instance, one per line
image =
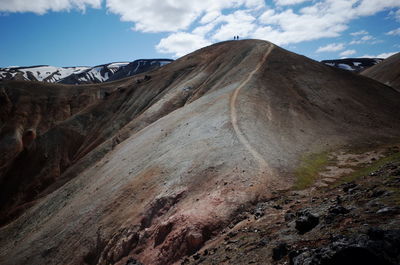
<point x="364" y="171"/>
<point x="310" y="166"/>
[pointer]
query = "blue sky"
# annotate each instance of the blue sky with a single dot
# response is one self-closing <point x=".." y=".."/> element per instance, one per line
<point x="92" y="32"/>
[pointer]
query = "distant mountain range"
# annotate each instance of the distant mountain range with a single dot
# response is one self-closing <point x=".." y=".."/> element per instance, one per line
<point x="81" y="74"/>
<point x="353" y="64"/>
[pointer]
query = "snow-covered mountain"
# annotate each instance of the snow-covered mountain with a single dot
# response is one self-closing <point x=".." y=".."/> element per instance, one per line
<point x="43" y="73"/>
<point x="353" y="64"/>
<point x="81" y="74"/>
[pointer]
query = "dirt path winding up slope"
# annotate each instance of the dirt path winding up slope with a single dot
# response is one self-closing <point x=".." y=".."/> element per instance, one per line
<point x="234" y="116"/>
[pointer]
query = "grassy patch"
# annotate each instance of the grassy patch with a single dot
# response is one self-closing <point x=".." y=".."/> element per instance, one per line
<point x="310" y="166"/>
<point x="364" y="171"/>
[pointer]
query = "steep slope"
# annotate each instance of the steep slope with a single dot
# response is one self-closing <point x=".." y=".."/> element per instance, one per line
<point x="162" y="163"/>
<point x="353" y="64"/>
<point x="387" y="72"/>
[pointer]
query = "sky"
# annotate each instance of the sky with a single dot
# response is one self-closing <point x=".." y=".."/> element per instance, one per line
<point x="93" y="32"/>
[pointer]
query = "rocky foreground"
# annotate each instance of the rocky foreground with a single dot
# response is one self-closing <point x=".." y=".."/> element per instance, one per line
<point x="355" y="220"/>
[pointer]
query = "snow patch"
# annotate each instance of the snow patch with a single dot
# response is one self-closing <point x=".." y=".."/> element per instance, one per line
<point x="345" y="67"/>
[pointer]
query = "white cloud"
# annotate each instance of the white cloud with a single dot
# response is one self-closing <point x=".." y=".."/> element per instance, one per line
<point x="43" y="6"/>
<point x="382" y="55"/>
<point x="172" y="15"/>
<point x="239" y="23"/>
<point x="333" y="47"/>
<point x="395" y="14"/>
<point x="347" y="53"/>
<point x="246" y="18"/>
<point x="181" y="43"/>
<point x="207" y="21"/>
<point x="361" y="32"/>
<point x="364" y="39"/>
<point x="395" y="32"/>
<point x="386" y="54"/>
<point x="289" y="2"/>
<point x="370" y="7"/>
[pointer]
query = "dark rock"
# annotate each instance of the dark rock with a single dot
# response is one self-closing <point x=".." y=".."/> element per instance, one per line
<point x="338" y="209"/>
<point x="377" y="193"/>
<point x="196" y="256"/>
<point x="232" y="234"/>
<point x="289" y="216"/>
<point x="375" y="233"/>
<point x="106" y="94"/>
<point x="263" y="242"/>
<point x="386" y="210"/>
<point x="278" y="207"/>
<point x="306" y="221"/>
<point x="348" y="186"/>
<point x="396" y="172"/>
<point x="185" y="261"/>
<point x="380" y="247"/>
<point x="132" y="261"/>
<point x="334" y="211"/>
<point x="279" y="251"/>
<point x="258" y="214"/>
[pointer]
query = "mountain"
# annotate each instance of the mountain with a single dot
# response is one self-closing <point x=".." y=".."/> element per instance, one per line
<point x="114" y="71"/>
<point x="43" y="73"/>
<point x="81" y="74"/>
<point x="353" y="64"/>
<point x="387" y="72"/>
<point x="159" y="166"/>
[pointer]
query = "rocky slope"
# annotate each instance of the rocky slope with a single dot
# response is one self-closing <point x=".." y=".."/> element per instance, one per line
<point x="83" y="74"/>
<point x="153" y="167"/>
<point x="354" y="220"/>
<point x="387" y="72"/>
<point x="353" y="64"/>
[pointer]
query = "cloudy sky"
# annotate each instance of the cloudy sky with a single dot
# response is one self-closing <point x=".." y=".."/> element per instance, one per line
<point x="91" y="32"/>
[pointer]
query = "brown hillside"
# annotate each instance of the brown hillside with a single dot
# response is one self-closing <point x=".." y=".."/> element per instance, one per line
<point x="155" y="165"/>
<point x="386" y="72"/>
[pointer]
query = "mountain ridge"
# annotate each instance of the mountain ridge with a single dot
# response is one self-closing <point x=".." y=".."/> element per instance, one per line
<point x="353" y="64"/>
<point x="81" y="74"/>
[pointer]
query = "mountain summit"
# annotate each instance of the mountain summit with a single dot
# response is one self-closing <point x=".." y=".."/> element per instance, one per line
<point x="156" y="165"/>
